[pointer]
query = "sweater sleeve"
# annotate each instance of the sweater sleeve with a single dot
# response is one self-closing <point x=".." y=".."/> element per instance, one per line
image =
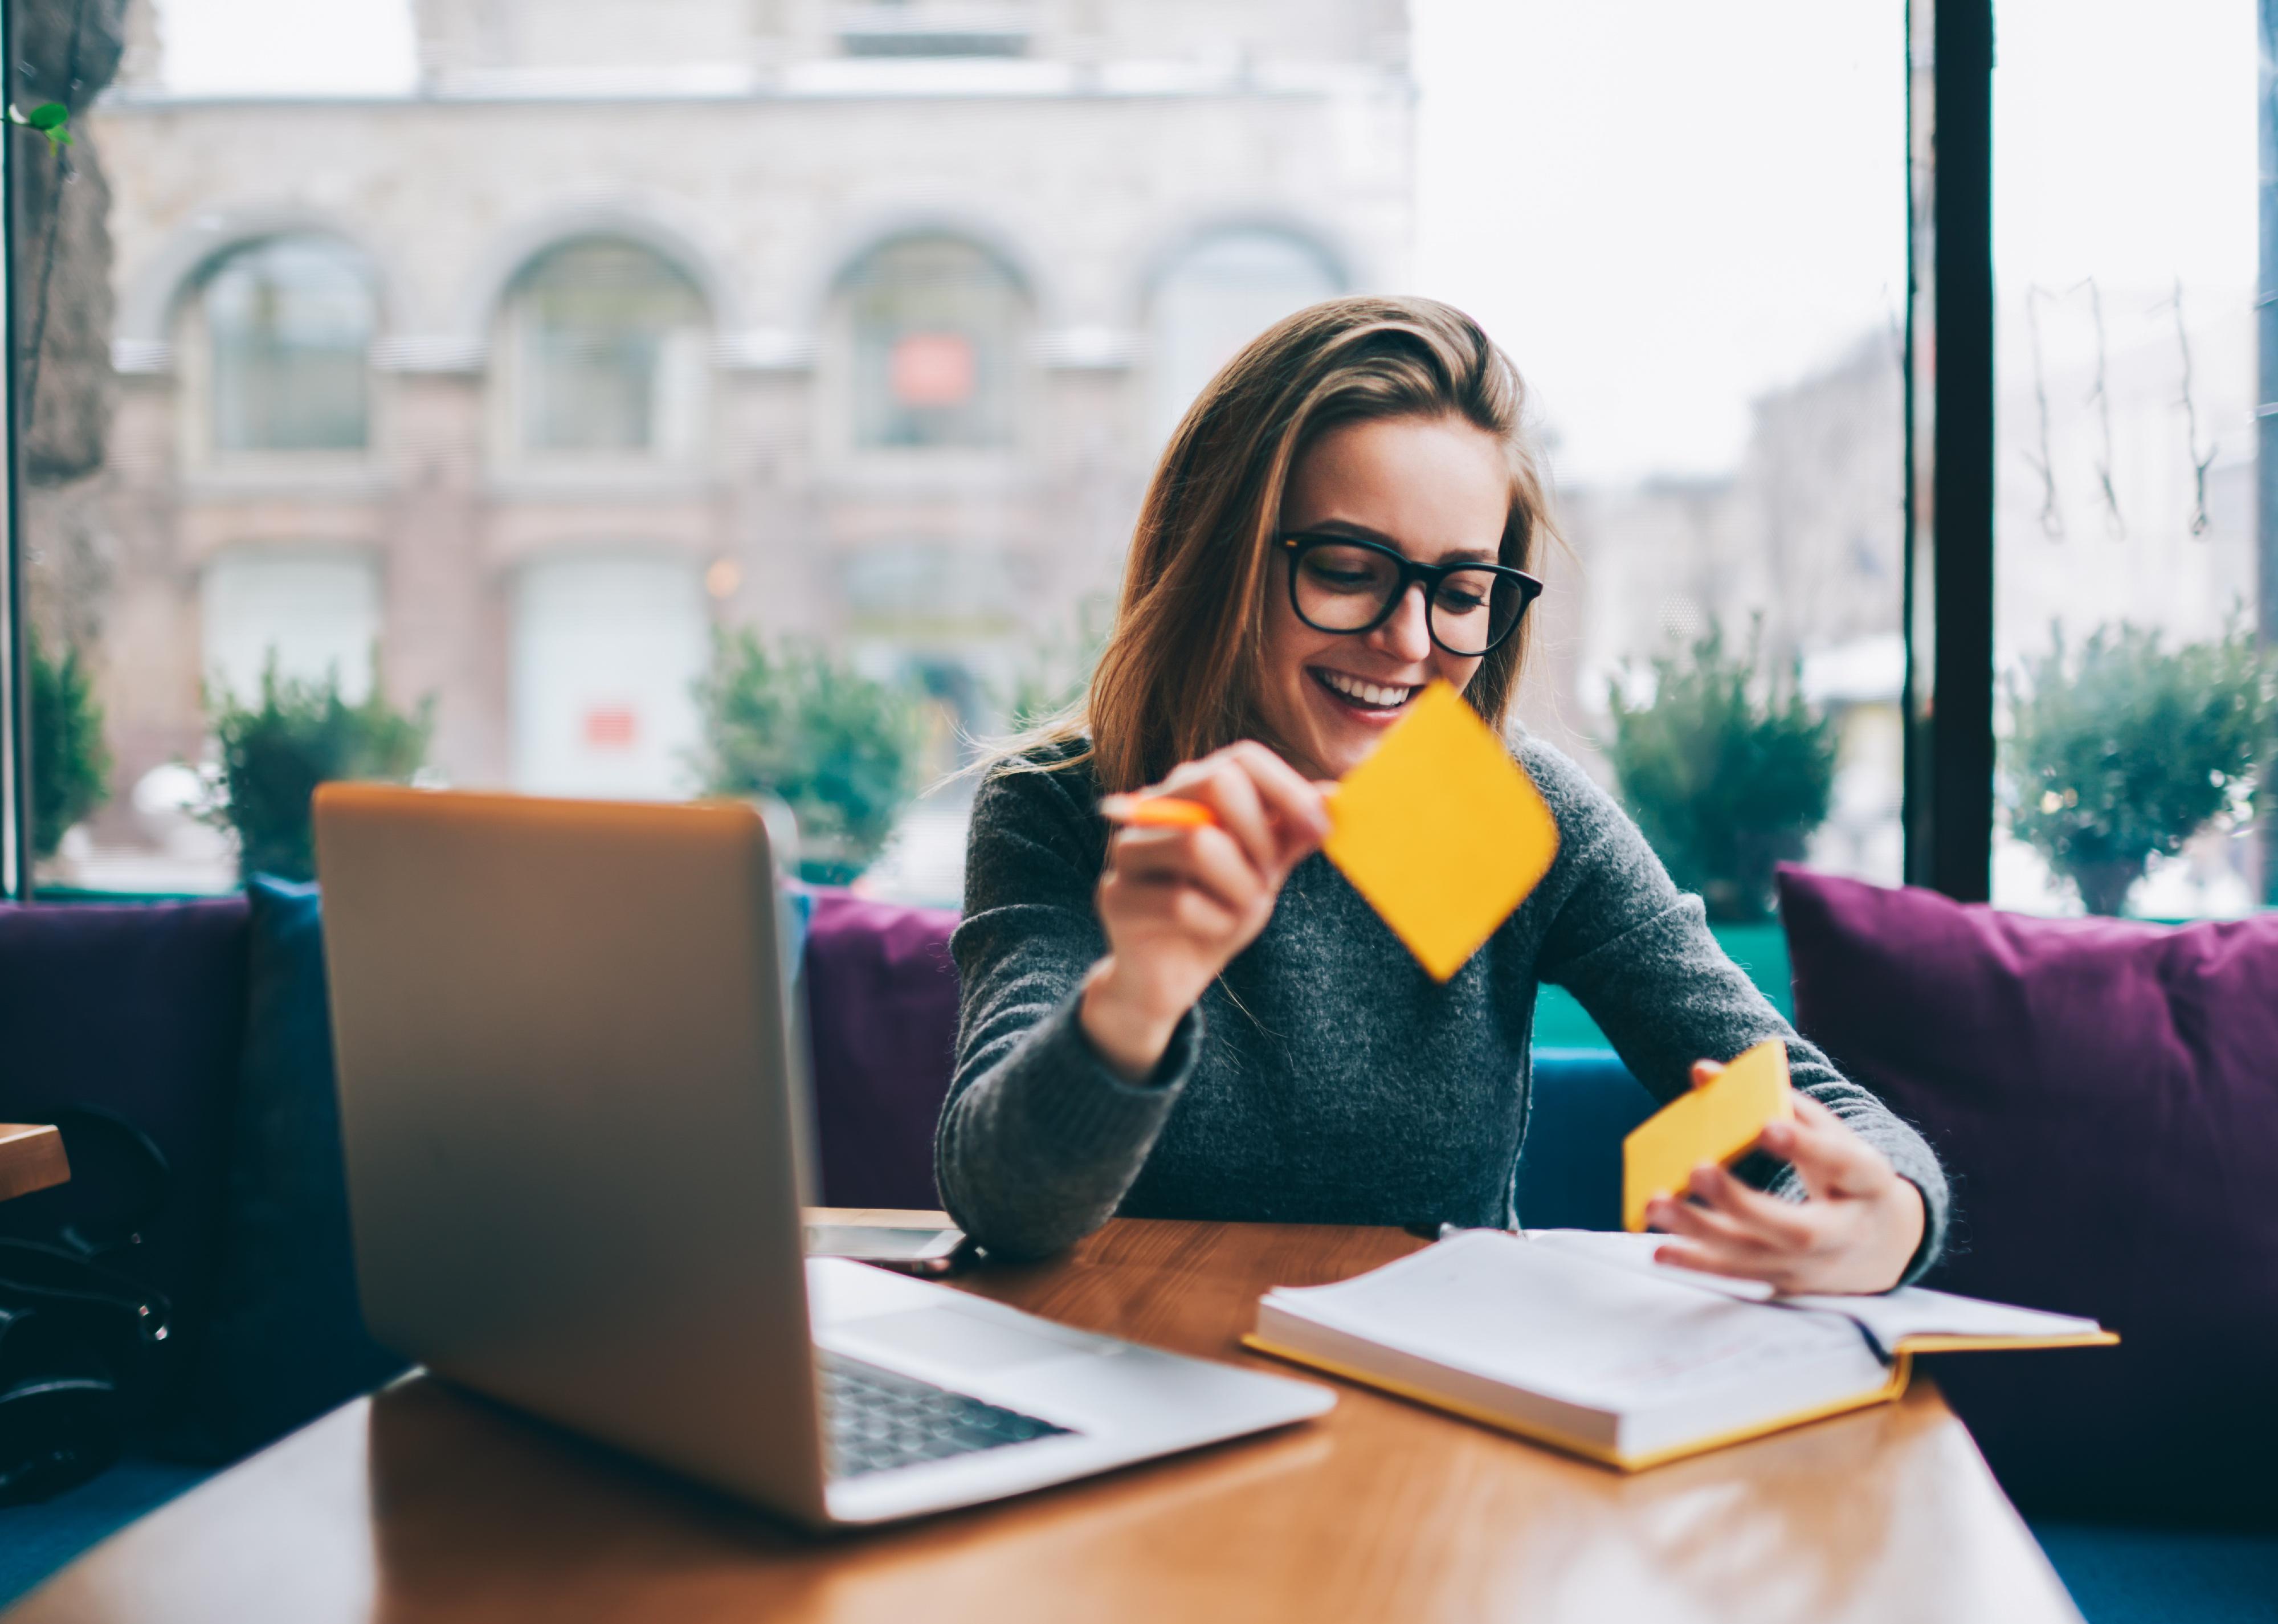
<point x="1039" y="1139"/>
<point x="1639" y="955"/>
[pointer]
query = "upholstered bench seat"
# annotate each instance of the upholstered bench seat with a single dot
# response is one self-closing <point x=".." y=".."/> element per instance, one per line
<point x="145" y="1010"/>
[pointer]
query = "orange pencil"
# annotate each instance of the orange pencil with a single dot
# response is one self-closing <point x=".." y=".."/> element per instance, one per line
<point x="1156" y="812"/>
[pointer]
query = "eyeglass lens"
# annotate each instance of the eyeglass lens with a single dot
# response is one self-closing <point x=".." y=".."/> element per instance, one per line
<point x="1351" y="588"/>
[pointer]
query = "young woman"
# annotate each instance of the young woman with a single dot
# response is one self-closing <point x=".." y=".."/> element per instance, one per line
<point x="1210" y="1022"/>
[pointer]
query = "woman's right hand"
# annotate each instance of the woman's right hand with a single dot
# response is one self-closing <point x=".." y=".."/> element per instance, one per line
<point x="1178" y="904"/>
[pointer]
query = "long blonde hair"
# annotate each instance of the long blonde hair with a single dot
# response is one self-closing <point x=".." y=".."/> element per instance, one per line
<point x="1179" y="676"/>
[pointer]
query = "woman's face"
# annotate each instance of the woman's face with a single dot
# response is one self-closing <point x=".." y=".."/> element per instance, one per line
<point x="1435" y="489"/>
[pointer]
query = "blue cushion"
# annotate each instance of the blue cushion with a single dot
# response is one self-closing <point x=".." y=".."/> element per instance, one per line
<point x="285" y="1339"/>
<point x="2120" y="1574"/>
<point x="1584" y="1103"/>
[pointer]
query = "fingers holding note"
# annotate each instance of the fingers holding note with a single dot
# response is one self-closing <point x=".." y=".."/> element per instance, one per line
<point x="1247" y="790"/>
<point x="1191" y="877"/>
<point x="1856" y="1230"/>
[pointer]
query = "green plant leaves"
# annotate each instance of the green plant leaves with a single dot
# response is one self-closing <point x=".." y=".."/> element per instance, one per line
<point x="2130" y="748"/>
<point x="51" y="119"/>
<point x="841" y="749"/>
<point x="296" y="735"/>
<point x="71" y="763"/>
<point x="1726" y="771"/>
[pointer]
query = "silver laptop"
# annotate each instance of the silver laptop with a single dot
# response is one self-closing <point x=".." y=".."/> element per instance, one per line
<point x="567" y="1097"/>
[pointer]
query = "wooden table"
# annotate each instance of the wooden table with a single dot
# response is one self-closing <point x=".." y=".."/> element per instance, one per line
<point x="31" y="1158"/>
<point x="423" y="1504"/>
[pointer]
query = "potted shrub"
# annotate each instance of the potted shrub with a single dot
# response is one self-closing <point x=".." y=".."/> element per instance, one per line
<point x="2130" y="748"/>
<point x="296" y="735"/>
<point x="840" y="749"/>
<point x="71" y="763"/>
<point x="1726" y="769"/>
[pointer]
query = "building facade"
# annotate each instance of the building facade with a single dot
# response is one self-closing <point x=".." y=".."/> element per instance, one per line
<point x="636" y="318"/>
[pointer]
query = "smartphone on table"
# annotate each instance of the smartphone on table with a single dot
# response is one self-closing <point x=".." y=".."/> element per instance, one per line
<point x="908" y="1243"/>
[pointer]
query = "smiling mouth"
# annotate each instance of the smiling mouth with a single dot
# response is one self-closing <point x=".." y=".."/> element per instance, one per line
<point x="1373" y="698"/>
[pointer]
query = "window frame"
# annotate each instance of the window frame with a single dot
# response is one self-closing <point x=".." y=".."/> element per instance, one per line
<point x="512" y="375"/>
<point x="198" y="367"/>
<point x="1947" y="812"/>
<point x="2265" y="378"/>
<point x="837" y="398"/>
<point x="15" y="669"/>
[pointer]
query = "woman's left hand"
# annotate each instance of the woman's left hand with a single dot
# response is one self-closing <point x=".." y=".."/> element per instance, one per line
<point x="1856" y="1232"/>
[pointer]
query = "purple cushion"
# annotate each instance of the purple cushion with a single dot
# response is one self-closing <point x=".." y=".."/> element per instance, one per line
<point x="2105" y="1095"/>
<point x="882" y="1016"/>
<point x="138" y="1010"/>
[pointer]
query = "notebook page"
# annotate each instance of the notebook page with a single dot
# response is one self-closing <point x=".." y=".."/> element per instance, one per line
<point x="1887" y="1317"/>
<point x="1559" y="1324"/>
<point x="1635" y="1251"/>
<point x="1913" y="1311"/>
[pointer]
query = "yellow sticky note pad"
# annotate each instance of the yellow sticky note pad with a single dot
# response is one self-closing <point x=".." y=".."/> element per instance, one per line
<point x="1441" y="830"/>
<point x="1718" y="1123"/>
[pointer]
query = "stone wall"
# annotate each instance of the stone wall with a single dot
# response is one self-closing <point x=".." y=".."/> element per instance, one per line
<point x="67" y="50"/>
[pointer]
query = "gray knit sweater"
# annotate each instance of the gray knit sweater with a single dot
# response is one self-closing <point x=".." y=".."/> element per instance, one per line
<point x="1325" y="1078"/>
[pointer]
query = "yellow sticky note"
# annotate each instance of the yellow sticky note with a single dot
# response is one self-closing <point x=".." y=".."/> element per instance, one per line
<point x="1718" y="1123"/>
<point x="1441" y="830"/>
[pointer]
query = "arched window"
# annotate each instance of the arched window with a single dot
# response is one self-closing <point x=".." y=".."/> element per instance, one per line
<point x="289" y="326"/>
<point x="608" y="353"/>
<point x="936" y="325"/>
<point x="1218" y="296"/>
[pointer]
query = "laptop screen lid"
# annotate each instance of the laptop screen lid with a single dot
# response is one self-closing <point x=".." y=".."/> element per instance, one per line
<point x="566" y="1101"/>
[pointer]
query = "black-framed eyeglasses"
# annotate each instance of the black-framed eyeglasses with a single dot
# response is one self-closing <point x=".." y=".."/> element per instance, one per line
<point x="1345" y="584"/>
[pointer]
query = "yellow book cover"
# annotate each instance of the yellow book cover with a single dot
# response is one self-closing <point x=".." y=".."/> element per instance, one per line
<point x="1577" y="1339"/>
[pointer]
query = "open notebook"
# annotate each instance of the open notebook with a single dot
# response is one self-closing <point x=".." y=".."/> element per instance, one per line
<point x="1578" y="1339"/>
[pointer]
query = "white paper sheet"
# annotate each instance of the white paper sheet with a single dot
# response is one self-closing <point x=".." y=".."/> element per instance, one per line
<point x="1887" y="1317"/>
<point x="1555" y="1322"/>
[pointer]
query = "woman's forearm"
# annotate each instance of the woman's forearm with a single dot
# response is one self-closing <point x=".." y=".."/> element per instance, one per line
<point x="1130" y="1029"/>
<point x="1042" y="1136"/>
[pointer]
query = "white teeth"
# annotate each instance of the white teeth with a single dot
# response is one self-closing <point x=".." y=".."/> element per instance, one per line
<point x="1367" y="693"/>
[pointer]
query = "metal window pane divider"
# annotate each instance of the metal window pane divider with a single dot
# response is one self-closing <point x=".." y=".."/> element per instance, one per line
<point x="1949" y="802"/>
<point x="2266" y="394"/>
<point x="15" y="670"/>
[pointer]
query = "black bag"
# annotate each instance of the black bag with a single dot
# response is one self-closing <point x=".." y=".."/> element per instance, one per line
<point x="82" y="1342"/>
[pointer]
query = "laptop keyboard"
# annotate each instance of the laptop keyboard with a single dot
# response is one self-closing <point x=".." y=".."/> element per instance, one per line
<point x="874" y="1419"/>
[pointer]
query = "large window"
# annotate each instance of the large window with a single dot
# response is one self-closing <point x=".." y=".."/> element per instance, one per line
<point x="1709" y="315"/>
<point x="935" y="328"/>
<point x="608" y="353"/>
<point x="531" y="349"/>
<point x="2124" y="259"/>
<point x="287" y="331"/>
